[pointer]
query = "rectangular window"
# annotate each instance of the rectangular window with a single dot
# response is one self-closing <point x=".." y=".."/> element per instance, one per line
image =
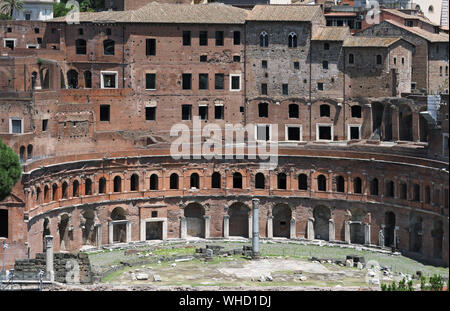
<point x="203" y="38"/>
<point x="219" y="81"/>
<point x="236" y="37"/>
<point x="36" y="30"/>
<point x="9" y="29"/>
<point x="186" y="38"/>
<point x="10" y="44"/>
<point x="354" y="132"/>
<point x="109" y="80"/>
<point x="296" y="65"/>
<point x="44" y="125"/>
<point x="325" y="64"/>
<point x="285" y="89"/>
<point x="186" y="112"/>
<point x="235" y="82"/>
<point x="203" y="112"/>
<point x="150" y="81"/>
<point x="203" y="58"/>
<point x="320" y="86"/>
<point x="203" y="81"/>
<point x="293" y="133"/>
<point x="27" y="16"/>
<point x="16" y="126"/>
<point x="187" y="81"/>
<point x="150" y="47"/>
<point x="218" y="112"/>
<point x="236" y="58"/>
<point x="263" y="88"/>
<point x="104" y="112"/>
<point x="324" y="132"/>
<point x="264" y="64"/>
<point x="3" y="223"/>
<point x="150" y="113"/>
<point x="263" y="132"/>
<point x="219" y="38"/>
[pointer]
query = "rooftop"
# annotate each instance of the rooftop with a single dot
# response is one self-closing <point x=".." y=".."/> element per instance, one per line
<point x="364" y="42"/>
<point x="331" y="33"/>
<point x="432" y="37"/>
<point x="284" y="13"/>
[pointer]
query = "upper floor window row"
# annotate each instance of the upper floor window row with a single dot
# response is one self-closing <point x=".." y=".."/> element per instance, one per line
<point x="108" y="47"/>
<point x="264" y="39"/>
<point x="203" y="38"/>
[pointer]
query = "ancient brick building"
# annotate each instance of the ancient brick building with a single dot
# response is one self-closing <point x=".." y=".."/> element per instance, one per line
<point x="90" y="108"/>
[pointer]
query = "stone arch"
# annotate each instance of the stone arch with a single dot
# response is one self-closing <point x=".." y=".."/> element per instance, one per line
<point x="322" y="216"/>
<point x="292" y="40"/>
<point x="282" y="215"/>
<point x="389" y="190"/>
<point x="405" y="120"/>
<point x="260" y="181"/>
<point x="38" y="194"/>
<point x="264" y="39"/>
<point x="195" y="223"/>
<point x="239" y="213"/>
<point x="88" y="220"/>
<point x="389" y="229"/>
<point x="415" y="233"/>
<point x="46" y="194"/>
<point x="438" y="238"/>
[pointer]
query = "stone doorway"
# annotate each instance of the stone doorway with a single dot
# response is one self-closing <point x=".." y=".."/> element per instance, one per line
<point x="438" y="236"/>
<point x="389" y="221"/>
<point x="415" y="234"/>
<point x="63" y="230"/>
<point x="322" y="215"/>
<point x="154" y="230"/>
<point x="195" y="222"/>
<point x="239" y="213"/>
<point x="281" y="220"/>
<point x="119" y="226"/>
<point x="89" y="236"/>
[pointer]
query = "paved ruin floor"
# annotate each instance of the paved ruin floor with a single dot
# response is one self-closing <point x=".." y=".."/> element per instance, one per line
<point x="283" y="265"/>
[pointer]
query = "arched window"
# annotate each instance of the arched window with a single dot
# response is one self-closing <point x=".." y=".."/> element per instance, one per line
<point x="260" y="181"/>
<point x="117" y="184"/>
<point x="22" y="154"/>
<point x="154" y="182"/>
<point x="72" y="79"/>
<point x="324" y="110"/>
<point x="88" y="186"/>
<point x="264" y="39"/>
<point x="374" y="186"/>
<point x="356" y="111"/>
<point x="174" y="181"/>
<point x="322" y="183"/>
<point x="215" y="180"/>
<point x="389" y="191"/>
<point x="195" y="181"/>
<point x="75" y="189"/>
<point x="430" y="9"/>
<point x="134" y="182"/>
<point x="379" y="59"/>
<point x="108" y="47"/>
<point x="87" y="79"/>
<point x="29" y="152"/>
<point x="46" y="194"/>
<point x="80" y="46"/>
<point x="292" y="40"/>
<point x="38" y="194"/>
<point x="302" y="182"/>
<point x="102" y="185"/>
<point x="293" y="111"/>
<point x="263" y="110"/>
<point x="351" y="59"/>
<point x="340" y="184"/>
<point x="403" y="191"/>
<point x="64" y="188"/>
<point x="33" y="79"/>
<point x="416" y="192"/>
<point x="357" y="185"/>
<point x="427" y="195"/>
<point x="237" y="180"/>
<point x="54" y="192"/>
<point x="281" y="181"/>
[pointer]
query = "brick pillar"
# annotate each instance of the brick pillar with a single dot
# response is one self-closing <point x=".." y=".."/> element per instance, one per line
<point x="415" y="126"/>
<point x="395" y="124"/>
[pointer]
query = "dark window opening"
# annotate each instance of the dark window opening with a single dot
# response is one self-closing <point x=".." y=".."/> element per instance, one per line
<point x="108" y="47"/>
<point x="296" y="65"/>
<point x="416" y="192"/>
<point x="219" y="82"/>
<point x="80" y="46"/>
<point x="195" y="181"/>
<point x="104" y="112"/>
<point x="236" y="58"/>
<point x="321" y="183"/>
<point x="294" y="133"/>
<point x="187" y="81"/>
<point x="263" y="88"/>
<point x="236" y="37"/>
<point x="75" y="189"/>
<point x="324" y="110"/>
<point x="80" y="31"/>
<point x="235" y="82"/>
<point x="293" y="111"/>
<point x="264" y="39"/>
<point x="218" y="112"/>
<point x="186" y="38"/>
<point x="326" y="46"/>
<point x="44" y="125"/>
<point x="87" y="79"/>
<point x="150" y="81"/>
<point x="374" y="187"/>
<point x="203" y="38"/>
<point x="117" y="184"/>
<point x="302" y="182"/>
<point x="102" y="185"/>
<point x="36" y="30"/>
<point x="263" y="110"/>
<point x="340" y="184"/>
<point x="292" y="40"/>
<point x="281" y="181"/>
<point x="356" y="111"/>
<point x="320" y="86"/>
<point x="203" y="81"/>
<point x="219" y="38"/>
<point x="88" y="187"/>
<point x="154" y="214"/>
<point x="174" y="181"/>
<point x="108" y="31"/>
<point x="325" y="132"/>
<point x="357" y="185"/>
<point x="3" y="223"/>
<point x="203" y="58"/>
<point x="186" y="112"/>
<point x="203" y="112"/>
<point x="154" y="182"/>
<point x="260" y="181"/>
<point x="285" y="90"/>
<point x="237" y="181"/>
<point x="354" y="132"/>
<point x="325" y="64"/>
<point x="150" y="113"/>
<point x="379" y="60"/>
<point x="403" y="191"/>
<point x="215" y="180"/>
<point x="150" y="47"/>
<point x="134" y="182"/>
<point x="264" y="64"/>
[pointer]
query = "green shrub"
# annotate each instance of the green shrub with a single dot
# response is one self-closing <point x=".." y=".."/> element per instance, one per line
<point x="10" y="170"/>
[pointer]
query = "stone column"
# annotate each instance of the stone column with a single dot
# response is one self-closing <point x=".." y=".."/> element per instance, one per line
<point x="99" y="235"/>
<point x="49" y="257"/>
<point x="255" y="228"/>
<point x="331" y="234"/>
<point x="128" y="231"/>
<point x="226" y="226"/>
<point x="164" y="229"/>
<point x="310" y="229"/>
<point x="250" y="225"/>
<point x="381" y="235"/>
<point x="396" y="236"/>
<point x="367" y="234"/>
<point x="292" y="229"/>
<point x="183" y="227"/>
<point x="207" y="226"/>
<point x="347" y="232"/>
<point x="270" y="227"/>
<point x="110" y="233"/>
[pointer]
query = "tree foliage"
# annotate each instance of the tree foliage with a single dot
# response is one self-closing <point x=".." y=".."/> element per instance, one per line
<point x="8" y="6"/>
<point x="10" y="170"/>
<point x="59" y="9"/>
